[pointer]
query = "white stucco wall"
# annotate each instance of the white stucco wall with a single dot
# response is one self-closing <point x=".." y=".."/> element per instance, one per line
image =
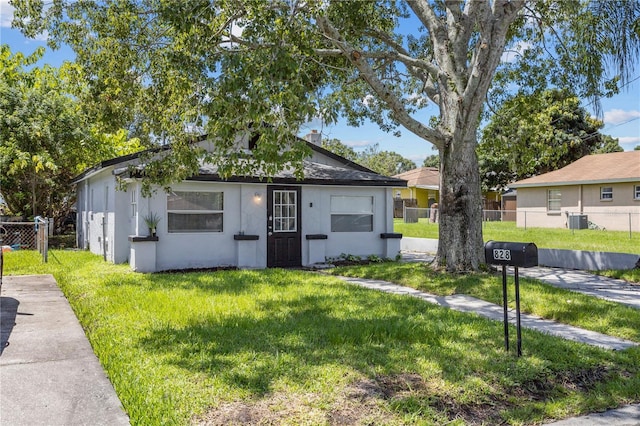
<point x="95" y="206"/>
<point x="245" y="212"/>
<point x="316" y="219"/>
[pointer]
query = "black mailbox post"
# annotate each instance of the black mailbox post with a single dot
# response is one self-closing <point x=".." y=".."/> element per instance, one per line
<point x="524" y="255"/>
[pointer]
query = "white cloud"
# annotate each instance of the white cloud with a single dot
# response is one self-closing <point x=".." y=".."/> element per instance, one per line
<point x="629" y="139"/>
<point x="358" y="144"/>
<point x="513" y="52"/>
<point x="619" y="116"/>
<point x="417" y="158"/>
<point x="628" y="143"/>
<point x="6" y="14"/>
<point x="368" y="100"/>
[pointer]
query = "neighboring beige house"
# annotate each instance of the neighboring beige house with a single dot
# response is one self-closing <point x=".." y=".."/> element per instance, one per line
<point x="597" y="191"/>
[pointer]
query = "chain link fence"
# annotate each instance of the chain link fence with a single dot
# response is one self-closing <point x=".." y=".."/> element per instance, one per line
<point x="598" y="220"/>
<point x="575" y="220"/>
<point x="26" y="236"/>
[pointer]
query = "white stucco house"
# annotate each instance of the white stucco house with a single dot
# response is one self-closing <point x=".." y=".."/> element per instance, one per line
<point x="243" y="221"/>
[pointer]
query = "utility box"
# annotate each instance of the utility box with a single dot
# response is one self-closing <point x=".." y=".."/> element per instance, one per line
<point x="524" y="255"/>
<point x="578" y="221"/>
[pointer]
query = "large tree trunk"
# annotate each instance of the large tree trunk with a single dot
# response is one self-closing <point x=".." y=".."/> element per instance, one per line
<point x="460" y="208"/>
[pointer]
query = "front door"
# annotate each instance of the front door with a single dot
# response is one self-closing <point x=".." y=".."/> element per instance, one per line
<point x="283" y="227"/>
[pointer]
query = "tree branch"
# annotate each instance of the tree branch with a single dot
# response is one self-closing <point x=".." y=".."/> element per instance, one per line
<point x="368" y="74"/>
<point x="488" y="51"/>
<point x="442" y="45"/>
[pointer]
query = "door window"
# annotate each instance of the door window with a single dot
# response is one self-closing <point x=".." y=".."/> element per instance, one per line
<point x="285" y="211"/>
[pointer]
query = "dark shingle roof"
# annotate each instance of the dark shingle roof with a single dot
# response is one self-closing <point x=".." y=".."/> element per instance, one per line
<point x="314" y="174"/>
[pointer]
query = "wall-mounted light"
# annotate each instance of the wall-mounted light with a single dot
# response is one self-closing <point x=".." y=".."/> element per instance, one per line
<point x="257" y="196"/>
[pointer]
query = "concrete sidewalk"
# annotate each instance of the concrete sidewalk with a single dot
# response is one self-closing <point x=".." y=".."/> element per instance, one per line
<point x="614" y="290"/>
<point x="464" y="303"/>
<point x="49" y="374"/>
<point x="618" y="291"/>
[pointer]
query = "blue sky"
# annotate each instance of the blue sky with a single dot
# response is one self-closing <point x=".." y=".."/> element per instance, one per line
<point x="621" y="113"/>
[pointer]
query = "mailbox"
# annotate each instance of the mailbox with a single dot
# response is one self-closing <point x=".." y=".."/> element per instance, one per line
<point x="524" y="255"/>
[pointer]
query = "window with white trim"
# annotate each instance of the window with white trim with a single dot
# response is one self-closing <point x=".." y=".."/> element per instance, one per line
<point x="351" y="213"/>
<point x="606" y="193"/>
<point x="191" y="211"/>
<point x="554" y="200"/>
<point x="636" y="192"/>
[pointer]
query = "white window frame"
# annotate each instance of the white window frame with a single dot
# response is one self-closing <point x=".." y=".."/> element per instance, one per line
<point x="606" y="193"/>
<point x="340" y="208"/>
<point x="555" y="199"/>
<point x="195" y="212"/>
<point x="636" y="192"/>
<point x="134" y="203"/>
<point x="284" y="221"/>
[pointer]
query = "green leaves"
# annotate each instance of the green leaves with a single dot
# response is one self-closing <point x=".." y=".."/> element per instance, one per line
<point x="46" y="139"/>
<point x="536" y="134"/>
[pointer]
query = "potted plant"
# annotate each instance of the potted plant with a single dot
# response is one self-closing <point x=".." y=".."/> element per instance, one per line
<point x="152" y="220"/>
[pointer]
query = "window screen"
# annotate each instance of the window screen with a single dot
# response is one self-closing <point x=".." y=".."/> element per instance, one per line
<point x="351" y="213"/>
<point x="195" y="211"/>
<point x="554" y="200"/>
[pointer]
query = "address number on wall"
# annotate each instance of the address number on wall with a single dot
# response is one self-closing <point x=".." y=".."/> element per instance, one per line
<point x="501" y="254"/>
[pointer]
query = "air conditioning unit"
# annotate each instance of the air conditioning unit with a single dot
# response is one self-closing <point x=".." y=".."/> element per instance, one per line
<point x="578" y="221"/>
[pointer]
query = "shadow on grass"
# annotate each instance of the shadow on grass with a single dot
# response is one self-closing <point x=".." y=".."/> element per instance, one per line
<point x="295" y="340"/>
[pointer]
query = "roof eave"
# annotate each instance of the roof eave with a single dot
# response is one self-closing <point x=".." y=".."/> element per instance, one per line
<point x="293" y="181"/>
<point x="577" y="182"/>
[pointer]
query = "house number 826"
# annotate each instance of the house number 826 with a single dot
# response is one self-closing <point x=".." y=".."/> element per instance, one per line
<point x="501" y="254"/>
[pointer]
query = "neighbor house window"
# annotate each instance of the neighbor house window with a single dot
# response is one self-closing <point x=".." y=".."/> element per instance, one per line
<point x="606" y="193"/>
<point x="636" y="192"/>
<point x="195" y="211"/>
<point x="351" y="214"/>
<point x="554" y="200"/>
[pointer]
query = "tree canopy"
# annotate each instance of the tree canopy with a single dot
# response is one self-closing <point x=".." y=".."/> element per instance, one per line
<point x="175" y="68"/>
<point x="387" y="163"/>
<point x="534" y="134"/>
<point x="431" y="161"/>
<point x="46" y="139"/>
<point x="337" y="147"/>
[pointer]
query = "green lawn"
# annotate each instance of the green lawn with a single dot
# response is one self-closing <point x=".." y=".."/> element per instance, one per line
<point x="295" y="347"/>
<point x="583" y="239"/>
<point x="536" y="297"/>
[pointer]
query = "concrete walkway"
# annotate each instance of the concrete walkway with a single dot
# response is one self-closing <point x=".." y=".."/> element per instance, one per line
<point x="464" y="303"/>
<point x="614" y="290"/>
<point x="49" y="374"/>
<point x="618" y="291"/>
